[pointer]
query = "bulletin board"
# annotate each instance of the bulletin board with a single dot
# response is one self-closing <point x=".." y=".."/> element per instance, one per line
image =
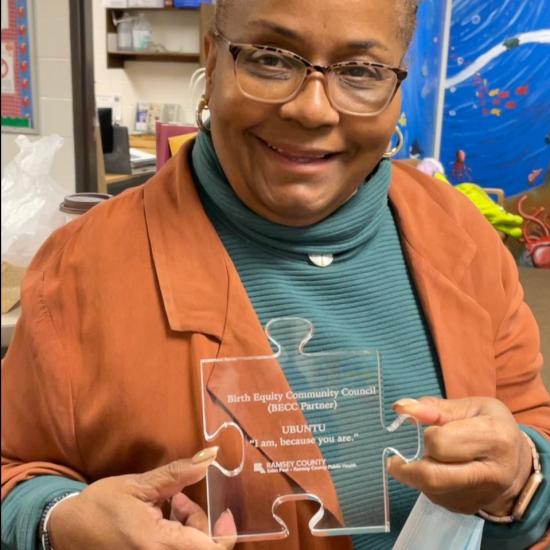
<point x="19" y="108"/>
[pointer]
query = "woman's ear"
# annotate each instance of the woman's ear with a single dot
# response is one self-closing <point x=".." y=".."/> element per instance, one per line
<point x="211" y="54"/>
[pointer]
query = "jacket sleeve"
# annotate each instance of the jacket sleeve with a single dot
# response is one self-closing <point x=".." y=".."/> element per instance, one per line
<point x="520" y="387"/>
<point x="38" y="434"/>
<point x="517" y="356"/>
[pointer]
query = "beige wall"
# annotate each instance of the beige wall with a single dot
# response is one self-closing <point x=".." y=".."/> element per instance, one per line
<point x="149" y="81"/>
<point x="53" y="87"/>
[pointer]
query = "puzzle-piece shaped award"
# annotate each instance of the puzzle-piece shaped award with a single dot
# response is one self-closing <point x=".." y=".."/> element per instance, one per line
<point x="301" y="426"/>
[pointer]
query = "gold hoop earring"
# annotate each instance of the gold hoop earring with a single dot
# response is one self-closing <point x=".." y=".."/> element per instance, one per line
<point x="392" y="152"/>
<point x="203" y="105"/>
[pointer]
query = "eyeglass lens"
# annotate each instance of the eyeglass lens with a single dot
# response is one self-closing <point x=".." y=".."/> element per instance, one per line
<point x="273" y="76"/>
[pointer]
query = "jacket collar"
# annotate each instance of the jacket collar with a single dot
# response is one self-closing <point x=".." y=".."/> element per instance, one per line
<point x="439" y="252"/>
<point x="426" y="229"/>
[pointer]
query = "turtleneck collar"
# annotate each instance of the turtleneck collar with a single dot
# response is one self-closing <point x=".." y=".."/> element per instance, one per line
<point x="346" y="230"/>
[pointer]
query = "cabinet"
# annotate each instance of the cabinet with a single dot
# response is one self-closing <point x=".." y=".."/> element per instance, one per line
<point x="191" y="18"/>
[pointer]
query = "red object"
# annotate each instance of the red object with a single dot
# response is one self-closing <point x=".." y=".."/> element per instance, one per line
<point x="21" y="12"/>
<point x="24" y="65"/>
<point x="26" y="101"/>
<point x="522" y="90"/>
<point x="511" y="105"/>
<point x="504" y="95"/>
<point x="23" y="47"/>
<point x="22" y="29"/>
<point x="25" y="83"/>
<point x="164" y="131"/>
<point x="496" y="101"/>
<point x="536" y="234"/>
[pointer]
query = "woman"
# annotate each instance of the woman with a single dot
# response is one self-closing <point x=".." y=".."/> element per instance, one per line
<point x="280" y="207"/>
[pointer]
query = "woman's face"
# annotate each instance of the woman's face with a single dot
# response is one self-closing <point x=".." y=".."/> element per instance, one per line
<point x="270" y="152"/>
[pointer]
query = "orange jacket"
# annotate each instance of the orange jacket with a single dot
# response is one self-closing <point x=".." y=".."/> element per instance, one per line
<point x="102" y="375"/>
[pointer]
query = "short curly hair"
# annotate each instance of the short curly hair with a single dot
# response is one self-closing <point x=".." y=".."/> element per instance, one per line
<point x="407" y="17"/>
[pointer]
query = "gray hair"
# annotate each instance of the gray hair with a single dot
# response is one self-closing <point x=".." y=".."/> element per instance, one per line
<point x="407" y="17"/>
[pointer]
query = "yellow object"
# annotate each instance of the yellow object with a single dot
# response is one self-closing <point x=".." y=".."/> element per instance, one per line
<point x="502" y="221"/>
<point x="177" y="141"/>
<point x="509" y="224"/>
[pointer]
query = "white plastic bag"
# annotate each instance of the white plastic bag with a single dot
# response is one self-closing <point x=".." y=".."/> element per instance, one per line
<point x="30" y="199"/>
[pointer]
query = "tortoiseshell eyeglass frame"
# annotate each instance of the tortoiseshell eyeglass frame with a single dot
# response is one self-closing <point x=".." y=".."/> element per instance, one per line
<point x="236" y="47"/>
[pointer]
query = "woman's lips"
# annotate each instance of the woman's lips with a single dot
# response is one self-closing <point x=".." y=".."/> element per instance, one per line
<point x="300" y="158"/>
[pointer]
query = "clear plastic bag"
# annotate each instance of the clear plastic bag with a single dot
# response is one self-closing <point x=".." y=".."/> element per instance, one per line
<point x="30" y="199"/>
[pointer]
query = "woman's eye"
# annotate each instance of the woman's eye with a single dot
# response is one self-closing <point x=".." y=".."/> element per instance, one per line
<point x="269" y="60"/>
<point x="359" y="72"/>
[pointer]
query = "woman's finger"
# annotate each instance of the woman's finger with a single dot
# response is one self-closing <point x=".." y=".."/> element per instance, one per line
<point x="226" y="529"/>
<point x="464" y="440"/>
<point x="189" y="513"/>
<point x="436" y="478"/>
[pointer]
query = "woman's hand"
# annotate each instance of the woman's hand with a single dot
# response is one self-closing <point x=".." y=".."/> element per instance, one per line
<point x="475" y="456"/>
<point x="125" y="512"/>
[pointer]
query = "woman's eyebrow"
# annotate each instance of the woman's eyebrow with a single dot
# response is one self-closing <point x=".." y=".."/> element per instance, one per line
<point x="276" y="28"/>
<point x="356" y="45"/>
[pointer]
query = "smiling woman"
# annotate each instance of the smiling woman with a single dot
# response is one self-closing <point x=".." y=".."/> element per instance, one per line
<point x="296" y="160"/>
<point x="287" y="204"/>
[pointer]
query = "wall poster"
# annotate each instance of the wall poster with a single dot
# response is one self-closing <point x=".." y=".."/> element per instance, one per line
<point x="19" y="113"/>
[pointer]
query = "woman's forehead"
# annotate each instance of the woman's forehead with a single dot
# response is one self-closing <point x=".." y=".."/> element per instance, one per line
<point x="312" y="23"/>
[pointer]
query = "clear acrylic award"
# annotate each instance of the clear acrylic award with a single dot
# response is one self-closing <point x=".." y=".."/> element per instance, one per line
<point x="322" y="439"/>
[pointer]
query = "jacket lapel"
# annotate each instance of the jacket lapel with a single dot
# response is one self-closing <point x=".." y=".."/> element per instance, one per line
<point x="187" y="252"/>
<point x="439" y="253"/>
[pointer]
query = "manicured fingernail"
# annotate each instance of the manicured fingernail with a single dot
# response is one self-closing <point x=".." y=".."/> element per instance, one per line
<point x="206" y="456"/>
<point x="403" y="403"/>
<point x="227" y="512"/>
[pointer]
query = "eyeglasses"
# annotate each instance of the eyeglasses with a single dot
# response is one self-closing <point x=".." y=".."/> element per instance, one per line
<point x="274" y="75"/>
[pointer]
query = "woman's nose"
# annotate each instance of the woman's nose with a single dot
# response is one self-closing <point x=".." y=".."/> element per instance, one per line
<point x="311" y="107"/>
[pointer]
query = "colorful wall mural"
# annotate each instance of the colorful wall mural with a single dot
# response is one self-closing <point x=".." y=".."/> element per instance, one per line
<point x="496" y="124"/>
<point x="496" y="117"/>
<point x="421" y="89"/>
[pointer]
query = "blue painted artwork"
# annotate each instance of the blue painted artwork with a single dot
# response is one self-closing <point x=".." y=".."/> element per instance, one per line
<point x="420" y="90"/>
<point x="496" y="129"/>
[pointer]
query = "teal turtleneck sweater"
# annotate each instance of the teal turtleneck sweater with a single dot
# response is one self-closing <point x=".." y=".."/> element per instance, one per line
<point x="364" y="300"/>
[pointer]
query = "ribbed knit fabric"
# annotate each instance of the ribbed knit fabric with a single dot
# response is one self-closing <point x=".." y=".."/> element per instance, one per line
<point x="23" y="507"/>
<point x="364" y="300"/>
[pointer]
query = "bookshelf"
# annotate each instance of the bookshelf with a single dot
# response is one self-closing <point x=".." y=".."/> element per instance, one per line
<point x="118" y="59"/>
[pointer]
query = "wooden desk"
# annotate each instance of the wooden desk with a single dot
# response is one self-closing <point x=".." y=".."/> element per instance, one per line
<point x="147" y="143"/>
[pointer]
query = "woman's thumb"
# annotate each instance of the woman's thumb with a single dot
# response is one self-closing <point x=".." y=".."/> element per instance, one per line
<point x="426" y="411"/>
<point x="165" y="481"/>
